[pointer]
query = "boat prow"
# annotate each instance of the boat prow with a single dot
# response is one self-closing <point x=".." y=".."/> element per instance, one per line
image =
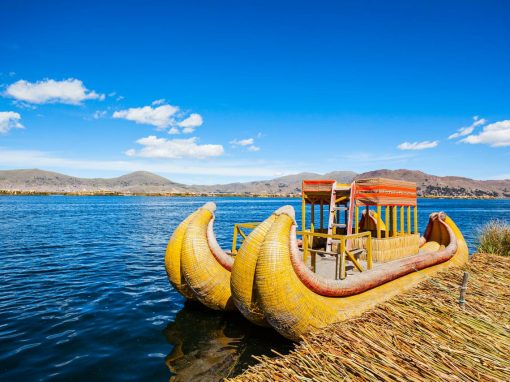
<point x="196" y="265"/>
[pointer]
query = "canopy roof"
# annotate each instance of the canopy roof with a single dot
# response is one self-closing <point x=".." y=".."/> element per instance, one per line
<point x="370" y="191"/>
<point x="319" y="191"/>
<point x="384" y="192"/>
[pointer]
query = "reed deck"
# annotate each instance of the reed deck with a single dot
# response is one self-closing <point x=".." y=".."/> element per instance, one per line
<point x="325" y="266"/>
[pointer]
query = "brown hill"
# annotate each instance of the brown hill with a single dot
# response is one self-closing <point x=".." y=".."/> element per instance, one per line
<point x="46" y="181"/>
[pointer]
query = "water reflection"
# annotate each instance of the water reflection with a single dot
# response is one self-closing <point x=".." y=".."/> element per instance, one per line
<point x="209" y="345"/>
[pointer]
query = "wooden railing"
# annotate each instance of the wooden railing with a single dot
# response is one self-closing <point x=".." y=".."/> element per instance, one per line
<point x="341" y="254"/>
<point x="238" y="231"/>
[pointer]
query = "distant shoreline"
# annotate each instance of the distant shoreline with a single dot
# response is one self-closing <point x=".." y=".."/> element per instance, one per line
<point x="143" y="183"/>
<point x="210" y="195"/>
<point x="169" y="194"/>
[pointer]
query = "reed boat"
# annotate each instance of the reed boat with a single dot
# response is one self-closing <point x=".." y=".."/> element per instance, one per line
<point x="196" y="265"/>
<point x="360" y="248"/>
<point x="343" y="265"/>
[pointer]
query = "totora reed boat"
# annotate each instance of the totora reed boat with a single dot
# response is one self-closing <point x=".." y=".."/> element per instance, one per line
<point x="360" y="249"/>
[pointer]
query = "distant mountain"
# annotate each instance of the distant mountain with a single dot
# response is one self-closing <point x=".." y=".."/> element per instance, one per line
<point x="143" y="182"/>
<point x="52" y="182"/>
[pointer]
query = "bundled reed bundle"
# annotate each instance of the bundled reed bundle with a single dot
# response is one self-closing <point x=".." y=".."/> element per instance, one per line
<point x="384" y="250"/>
<point x="421" y="335"/>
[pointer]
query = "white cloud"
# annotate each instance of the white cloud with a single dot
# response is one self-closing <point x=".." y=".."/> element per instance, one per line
<point x="242" y="142"/>
<point x="463" y="131"/>
<point x="155" y="147"/>
<point x="248" y="143"/>
<point x="9" y="120"/>
<point x="70" y="91"/>
<point x="495" y="135"/>
<point x="418" y="145"/>
<point x="161" y="116"/>
<point x="189" y="124"/>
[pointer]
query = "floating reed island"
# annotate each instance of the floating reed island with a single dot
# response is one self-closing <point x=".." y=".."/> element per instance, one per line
<point x="421" y="335"/>
<point x="359" y="249"/>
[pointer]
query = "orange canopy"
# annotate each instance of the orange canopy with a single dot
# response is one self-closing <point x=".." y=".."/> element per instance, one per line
<point x="384" y="192"/>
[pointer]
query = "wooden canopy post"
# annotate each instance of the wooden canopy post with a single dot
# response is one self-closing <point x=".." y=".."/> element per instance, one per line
<point x="402" y="220"/>
<point x="356" y="219"/>
<point x="409" y="220"/>
<point x="387" y="220"/>
<point x="379" y="221"/>
<point x="415" y="219"/>
<point x="312" y="214"/>
<point x="394" y="220"/>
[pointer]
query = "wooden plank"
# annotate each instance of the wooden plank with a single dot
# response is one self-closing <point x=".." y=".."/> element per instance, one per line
<point x="354" y="261"/>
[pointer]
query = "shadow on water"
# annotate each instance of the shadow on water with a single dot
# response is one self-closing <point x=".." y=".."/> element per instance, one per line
<point x="210" y="345"/>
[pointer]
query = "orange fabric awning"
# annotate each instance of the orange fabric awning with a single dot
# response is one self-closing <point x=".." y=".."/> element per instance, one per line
<point x="384" y="192"/>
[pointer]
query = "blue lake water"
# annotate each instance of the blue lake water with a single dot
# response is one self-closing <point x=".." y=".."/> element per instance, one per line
<point x="84" y="294"/>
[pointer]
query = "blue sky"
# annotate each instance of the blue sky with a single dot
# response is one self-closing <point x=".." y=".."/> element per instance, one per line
<point x="213" y="92"/>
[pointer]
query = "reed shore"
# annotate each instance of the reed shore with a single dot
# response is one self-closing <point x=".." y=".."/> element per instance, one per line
<point x="421" y="335"/>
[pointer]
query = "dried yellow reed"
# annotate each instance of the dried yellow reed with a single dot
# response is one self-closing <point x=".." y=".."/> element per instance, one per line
<point x="421" y="335"/>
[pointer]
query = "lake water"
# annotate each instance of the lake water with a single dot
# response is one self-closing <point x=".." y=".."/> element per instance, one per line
<point x="84" y="294"/>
